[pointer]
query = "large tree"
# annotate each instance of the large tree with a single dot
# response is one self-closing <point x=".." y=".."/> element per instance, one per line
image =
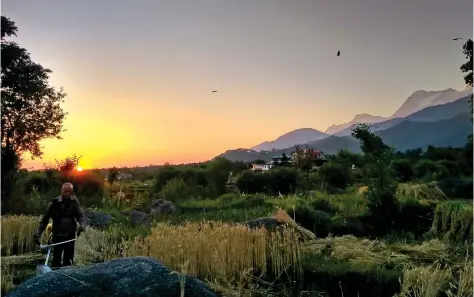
<point x="467" y="67"/>
<point x="30" y="110"/>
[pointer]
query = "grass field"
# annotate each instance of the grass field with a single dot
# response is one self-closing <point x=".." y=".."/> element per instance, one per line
<point x="204" y="239"/>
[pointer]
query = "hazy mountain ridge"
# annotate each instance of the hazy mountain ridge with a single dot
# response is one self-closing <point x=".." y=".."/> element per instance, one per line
<point x="297" y="136"/>
<point x="417" y="101"/>
<point x="405" y="135"/>
<point x="429" y="114"/>
<point x="442" y="107"/>
<point x="359" y="118"/>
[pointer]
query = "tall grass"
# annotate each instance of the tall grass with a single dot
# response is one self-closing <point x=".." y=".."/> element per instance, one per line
<point x="453" y="220"/>
<point x="17" y="234"/>
<point x="218" y="251"/>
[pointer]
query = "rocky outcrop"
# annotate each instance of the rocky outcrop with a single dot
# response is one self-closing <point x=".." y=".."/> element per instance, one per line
<point x="137" y="217"/>
<point x="97" y="219"/>
<point x="162" y="207"/>
<point x="127" y="277"/>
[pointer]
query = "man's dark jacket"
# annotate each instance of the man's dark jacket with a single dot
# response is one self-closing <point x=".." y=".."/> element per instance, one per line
<point x="64" y="213"/>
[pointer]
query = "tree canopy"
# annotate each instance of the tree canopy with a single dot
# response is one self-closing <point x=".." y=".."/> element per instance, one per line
<point x="30" y="110"/>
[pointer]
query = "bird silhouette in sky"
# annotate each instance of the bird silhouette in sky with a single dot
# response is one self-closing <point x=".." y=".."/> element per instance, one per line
<point x="457" y="38"/>
<point x="215" y="91"/>
<point x="338" y="53"/>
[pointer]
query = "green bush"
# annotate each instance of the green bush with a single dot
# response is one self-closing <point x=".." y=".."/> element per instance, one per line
<point x="228" y="198"/>
<point x="318" y="222"/>
<point x="251" y="182"/>
<point x="335" y="175"/>
<point x="403" y="168"/>
<point x="456" y="187"/>
<point x="282" y="180"/>
<point x="324" y="205"/>
<point x="176" y="190"/>
<point x="337" y="278"/>
<point x="347" y="226"/>
<point x="414" y="217"/>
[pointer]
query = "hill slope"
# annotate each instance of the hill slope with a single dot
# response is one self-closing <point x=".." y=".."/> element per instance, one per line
<point x="298" y="136"/>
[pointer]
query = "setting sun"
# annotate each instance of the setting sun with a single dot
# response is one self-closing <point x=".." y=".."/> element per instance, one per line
<point x="79" y="168"/>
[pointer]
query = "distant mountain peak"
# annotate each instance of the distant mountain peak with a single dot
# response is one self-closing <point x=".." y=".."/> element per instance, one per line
<point x="297" y="136"/>
<point x="422" y="99"/>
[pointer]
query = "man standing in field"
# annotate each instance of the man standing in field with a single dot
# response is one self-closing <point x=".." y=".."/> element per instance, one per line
<point x="66" y="213"/>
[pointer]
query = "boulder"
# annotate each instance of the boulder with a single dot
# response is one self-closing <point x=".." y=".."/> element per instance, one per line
<point x="137" y="217"/>
<point x="162" y="207"/>
<point x="126" y="277"/>
<point x="97" y="219"/>
<point x="272" y="224"/>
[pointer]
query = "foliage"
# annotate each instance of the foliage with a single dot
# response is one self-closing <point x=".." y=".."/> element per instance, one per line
<point x="403" y="168"/>
<point x="68" y="165"/>
<point x="335" y="174"/>
<point x="381" y="188"/>
<point x="467" y="67"/>
<point x="176" y="190"/>
<point x="112" y="175"/>
<point x="30" y="110"/>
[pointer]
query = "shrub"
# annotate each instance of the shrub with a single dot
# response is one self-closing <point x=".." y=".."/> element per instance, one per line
<point x="228" y="198"/>
<point x="176" y="190"/>
<point x="425" y="168"/>
<point x="403" y="168"/>
<point x="336" y="278"/>
<point x="335" y="175"/>
<point x="319" y="222"/>
<point x="251" y="183"/>
<point x="456" y="188"/>
<point x="347" y="226"/>
<point x="282" y="180"/>
<point x="414" y="217"/>
<point x="324" y="205"/>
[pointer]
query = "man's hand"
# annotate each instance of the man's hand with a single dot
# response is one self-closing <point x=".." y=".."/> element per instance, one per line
<point x="80" y="229"/>
<point x="36" y="239"/>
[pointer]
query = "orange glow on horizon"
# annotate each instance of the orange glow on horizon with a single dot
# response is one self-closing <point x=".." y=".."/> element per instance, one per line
<point x="79" y="168"/>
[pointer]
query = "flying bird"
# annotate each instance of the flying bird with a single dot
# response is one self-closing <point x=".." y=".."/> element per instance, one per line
<point x="457" y="38"/>
<point x="338" y="53"/>
<point x="215" y="91"/>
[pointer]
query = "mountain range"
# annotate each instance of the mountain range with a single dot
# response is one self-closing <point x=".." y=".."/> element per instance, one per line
<point x="439" y="118"/>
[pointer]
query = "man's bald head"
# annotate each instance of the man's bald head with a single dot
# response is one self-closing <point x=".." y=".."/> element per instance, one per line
<point x="66" y="190"/>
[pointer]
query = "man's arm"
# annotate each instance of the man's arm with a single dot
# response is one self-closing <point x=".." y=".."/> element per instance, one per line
<point x="44" y="220"/>
<point x="80" y="217"/>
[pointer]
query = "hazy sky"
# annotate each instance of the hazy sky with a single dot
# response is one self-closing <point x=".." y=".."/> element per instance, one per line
<point x="139" y="74"/>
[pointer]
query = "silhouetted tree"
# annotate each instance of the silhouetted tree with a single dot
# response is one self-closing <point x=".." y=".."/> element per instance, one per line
<point x="112" y="175"/>
<point x="67" y="165"/>
<point x="382" y="187"/>
<point x="30" y="110"/>
<point x="467" y="67"/>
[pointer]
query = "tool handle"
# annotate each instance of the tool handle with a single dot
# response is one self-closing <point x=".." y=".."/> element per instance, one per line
<point x="45" y="246"/>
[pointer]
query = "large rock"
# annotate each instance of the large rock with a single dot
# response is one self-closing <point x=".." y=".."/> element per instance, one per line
<point x="137" y="217"/>
<point x="97" y="219"/>
<point x="127" y="277"/>
<point x="162" y="207"/>
<point x="272" y="224"/>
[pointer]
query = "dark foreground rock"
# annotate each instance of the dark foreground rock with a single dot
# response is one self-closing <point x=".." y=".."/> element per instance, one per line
<point x="127" y="277"/>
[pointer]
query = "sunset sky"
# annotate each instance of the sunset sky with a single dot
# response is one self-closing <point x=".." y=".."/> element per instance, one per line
<point x="139" y="74"/>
